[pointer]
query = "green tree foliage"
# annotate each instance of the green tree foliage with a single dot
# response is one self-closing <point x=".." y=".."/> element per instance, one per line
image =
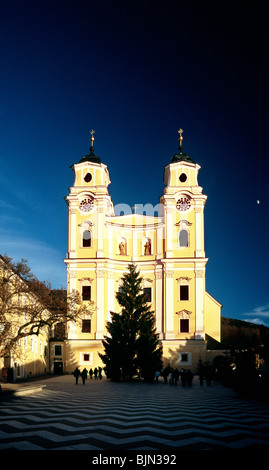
<point x="132" y="346"/>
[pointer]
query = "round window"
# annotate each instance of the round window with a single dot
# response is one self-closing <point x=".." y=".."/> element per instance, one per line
<point x="88" y="177"/>
<point x="183" y="178"/>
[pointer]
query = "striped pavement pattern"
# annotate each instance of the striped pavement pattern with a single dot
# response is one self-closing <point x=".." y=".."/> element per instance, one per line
<point x="102" y="415"/>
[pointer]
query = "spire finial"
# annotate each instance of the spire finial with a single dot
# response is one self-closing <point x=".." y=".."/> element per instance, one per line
<point x="92" y="140"/>
<point x="180" y="139"/>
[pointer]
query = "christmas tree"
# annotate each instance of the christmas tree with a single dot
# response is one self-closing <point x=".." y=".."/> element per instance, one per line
<point x="132" y="347"/>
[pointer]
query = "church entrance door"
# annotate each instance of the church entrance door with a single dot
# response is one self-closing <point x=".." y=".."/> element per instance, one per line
<point x="58" y="368"/>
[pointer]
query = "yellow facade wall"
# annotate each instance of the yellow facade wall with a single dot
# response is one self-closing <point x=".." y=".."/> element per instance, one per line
<point x="212" y="317"/>
<point x="168" y="266"/>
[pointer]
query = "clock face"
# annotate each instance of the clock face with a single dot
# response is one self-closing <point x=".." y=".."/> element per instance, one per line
<point x="87" y="204"/>
<point x="183" y="204"/>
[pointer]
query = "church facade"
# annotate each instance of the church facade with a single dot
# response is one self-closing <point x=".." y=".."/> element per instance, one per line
<point x="167" y="248"/>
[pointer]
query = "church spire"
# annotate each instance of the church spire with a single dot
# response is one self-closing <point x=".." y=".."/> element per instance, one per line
<point x="91" y="157"/>
<point x="181" y="156"/>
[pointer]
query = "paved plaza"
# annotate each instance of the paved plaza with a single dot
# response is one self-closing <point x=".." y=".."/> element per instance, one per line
<point x="103" y="415"/>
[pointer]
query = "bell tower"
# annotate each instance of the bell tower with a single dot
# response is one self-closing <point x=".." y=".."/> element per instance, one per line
<point x="184" y="256"/>
<point x="88" y="203"/>
<point x="183" y="206"/>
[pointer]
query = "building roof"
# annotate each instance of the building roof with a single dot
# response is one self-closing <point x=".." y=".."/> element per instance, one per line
<point x="91" y="157"/>
<point x="181" y="156"/>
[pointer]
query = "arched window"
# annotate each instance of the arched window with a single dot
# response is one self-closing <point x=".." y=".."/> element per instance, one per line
<point x="183" y="238"/>
<point x="86" y="238"/>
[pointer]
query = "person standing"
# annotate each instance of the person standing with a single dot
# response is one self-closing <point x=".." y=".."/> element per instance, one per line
<point x="76" y="374"/>
<point x="84" y="375"/>
<point x="189" y="377"/>
<point x="176" y="376"/>
<point x="183" y="375"/>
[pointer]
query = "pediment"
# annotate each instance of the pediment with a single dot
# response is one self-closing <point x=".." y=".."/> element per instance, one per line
<point x="183" y="313"/>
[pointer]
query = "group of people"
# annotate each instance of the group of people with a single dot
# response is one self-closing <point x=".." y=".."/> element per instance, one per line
<point x="169" y="374"/>
<point x="172" y="376"/>
<point x="97" y="373"/>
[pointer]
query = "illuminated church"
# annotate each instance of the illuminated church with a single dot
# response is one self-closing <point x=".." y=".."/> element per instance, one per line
<point x="168" y="250"/>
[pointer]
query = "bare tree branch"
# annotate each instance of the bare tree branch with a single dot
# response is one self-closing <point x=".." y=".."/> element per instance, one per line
<point x="28" y="305"/>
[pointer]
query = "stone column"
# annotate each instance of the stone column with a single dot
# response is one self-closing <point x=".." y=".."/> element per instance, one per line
<point x="110" y="294"/>
<point x="199" y="301"/>
<point x="72" y="327"/>
<point x="159" y="300"/>
<point x="100" y="302"/>
<point x="199" y="253"/>
<point x="100" y="231"/>
<point x="169" y="232"/>
<point x="73" y="233"/>
<point x="169" y="305"/>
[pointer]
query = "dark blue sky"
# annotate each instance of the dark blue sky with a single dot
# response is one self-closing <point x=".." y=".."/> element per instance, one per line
<point x="137" y="71"/>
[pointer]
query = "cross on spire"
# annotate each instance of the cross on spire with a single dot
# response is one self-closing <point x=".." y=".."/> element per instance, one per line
<point x="180" y="138"/>
<point x="92" y="138"/>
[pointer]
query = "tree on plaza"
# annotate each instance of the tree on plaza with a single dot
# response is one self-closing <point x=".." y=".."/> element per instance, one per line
<point x="132" y="345"/>
<point x="28" y="305"/>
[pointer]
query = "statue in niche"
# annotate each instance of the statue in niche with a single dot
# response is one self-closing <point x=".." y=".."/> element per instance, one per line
<point x="122" y="247"/>
<point x="147" y="247"/>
